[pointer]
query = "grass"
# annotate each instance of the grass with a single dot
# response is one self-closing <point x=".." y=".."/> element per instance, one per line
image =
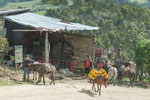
<point x="40" y="12"/>
<point x="29" y="4"/>
<point x="36" y="6"/>
<point x="4" y="82"/>
<point x="139" y="1"/>
<point x="126" y="79"/>
<point x="32" y="5"/>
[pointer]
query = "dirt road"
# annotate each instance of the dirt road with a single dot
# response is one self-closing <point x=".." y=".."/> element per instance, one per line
<point x="71" y="90"/>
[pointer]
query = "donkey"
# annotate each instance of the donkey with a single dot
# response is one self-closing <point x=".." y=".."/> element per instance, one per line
<point x="130" y="73"/>
<point x="112" y="75"/>
<point x="99" y="80"/>
<point x="44" y="69"/>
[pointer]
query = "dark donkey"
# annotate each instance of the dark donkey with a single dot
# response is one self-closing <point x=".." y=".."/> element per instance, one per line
<point x="44" y="69"/>
<point x="129" y="72"/>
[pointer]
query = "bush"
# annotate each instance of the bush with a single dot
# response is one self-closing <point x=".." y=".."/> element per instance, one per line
<point x="4" y="48"/>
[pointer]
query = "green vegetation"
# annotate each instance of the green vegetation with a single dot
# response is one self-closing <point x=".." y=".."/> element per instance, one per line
<point x="139" y="1"/>
<point x="4" y="48"/>
<point x="143" y="59"/>
<point x="29" y="4"/>
<point x="122" y="25"/>
<point x="40" y="13"/>
<point x="5" y="82"/>
<point x="5" y="2"/>
<point x="36" y="6"/>
<point x="56" y="2"/>
<point x="9" y="82"/>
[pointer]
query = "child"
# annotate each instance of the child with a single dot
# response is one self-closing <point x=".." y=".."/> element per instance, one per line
<point x="99" y="64"/>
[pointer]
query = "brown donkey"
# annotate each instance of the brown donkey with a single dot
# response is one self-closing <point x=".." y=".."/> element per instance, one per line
<point x="99" y="80"/>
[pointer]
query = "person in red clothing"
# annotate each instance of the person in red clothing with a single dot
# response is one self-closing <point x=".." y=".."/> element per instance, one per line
<point x="99" y="64"/>
<point x="88" y="64"/>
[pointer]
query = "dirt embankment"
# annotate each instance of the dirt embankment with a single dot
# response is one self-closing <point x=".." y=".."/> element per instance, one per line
<point x="10" y="75"/>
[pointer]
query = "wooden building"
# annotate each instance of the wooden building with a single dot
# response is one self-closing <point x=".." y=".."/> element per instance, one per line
<point x="49" y="39"/>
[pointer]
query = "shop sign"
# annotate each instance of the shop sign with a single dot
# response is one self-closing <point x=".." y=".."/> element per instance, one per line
<point x="18" y="54"/>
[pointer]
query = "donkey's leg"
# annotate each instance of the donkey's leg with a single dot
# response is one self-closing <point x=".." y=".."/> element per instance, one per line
<point x="33" y="75"/>
<point x="93" y="86"/>
<point x="130" y="82"/>
<point x="97" y="87"/>
<point x="50" y="77"/>
<point x="133" y="78"/>
<point x="43" y="79"/>
<point x="36" y="73"/>
<point x="39" y="79"/>
<point x="114" y="82"/>
<point x="100" y="89"/>
<point x="53" y="78"/>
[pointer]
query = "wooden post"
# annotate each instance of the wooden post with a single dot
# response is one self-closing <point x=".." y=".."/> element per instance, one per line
<point x="46" y="48"/>
<point x="94" y="50"/>
<point x="16" y="66"/>
<point x="3" y="22"/>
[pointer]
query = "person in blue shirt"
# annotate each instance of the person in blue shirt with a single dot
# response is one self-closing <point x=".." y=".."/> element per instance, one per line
<point x="27" y="60"/>
<point x="122" y="69"/>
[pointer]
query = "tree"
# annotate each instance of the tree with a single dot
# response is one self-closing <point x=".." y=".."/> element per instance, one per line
<point x="143" y="59"/>
<point x="4" y="48"/>
<point x="122" y="25"/>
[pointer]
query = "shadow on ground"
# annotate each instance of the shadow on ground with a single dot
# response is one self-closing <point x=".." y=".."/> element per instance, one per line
<point x="88" y="92"/>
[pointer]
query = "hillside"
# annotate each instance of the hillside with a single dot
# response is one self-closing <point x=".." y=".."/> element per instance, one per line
<point x="122" y="25"/>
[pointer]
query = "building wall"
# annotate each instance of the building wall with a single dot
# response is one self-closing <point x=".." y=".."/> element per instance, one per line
<point x="84" y="46"/>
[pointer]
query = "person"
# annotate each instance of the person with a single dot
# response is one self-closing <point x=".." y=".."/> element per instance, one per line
<point x="99" y="64"/>
<point x="122" y="70"/>
<point x="26" y="68"/>
<point x="105" y="67"/>
<point x="88" y="64"/>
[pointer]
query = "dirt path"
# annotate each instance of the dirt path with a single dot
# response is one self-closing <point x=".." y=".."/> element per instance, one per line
<point x="71" y="90"/>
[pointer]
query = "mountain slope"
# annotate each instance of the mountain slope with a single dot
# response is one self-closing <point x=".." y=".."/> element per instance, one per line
<point x="122" y="25"/>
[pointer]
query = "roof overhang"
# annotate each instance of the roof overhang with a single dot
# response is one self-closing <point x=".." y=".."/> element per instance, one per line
<point x="46" y="23"/>
<point x="13" y="11"/>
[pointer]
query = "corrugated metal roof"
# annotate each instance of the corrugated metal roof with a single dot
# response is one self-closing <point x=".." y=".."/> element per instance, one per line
<point x="48" y="23"/>
<point x="3" y="12"/>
